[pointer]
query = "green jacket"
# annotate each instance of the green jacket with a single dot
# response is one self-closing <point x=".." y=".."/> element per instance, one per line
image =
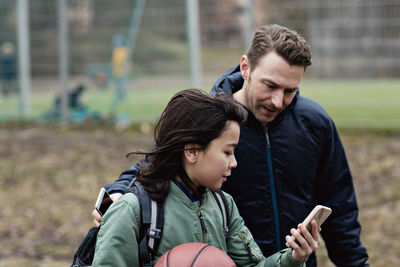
<point x="117" y="239"/>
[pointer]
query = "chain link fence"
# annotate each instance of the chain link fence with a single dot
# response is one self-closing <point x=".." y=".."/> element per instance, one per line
<point x="349" y="38"/>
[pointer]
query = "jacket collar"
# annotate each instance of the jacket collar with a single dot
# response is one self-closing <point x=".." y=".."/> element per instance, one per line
<point x="185" y="190"/>
<point x="176" y="192"/>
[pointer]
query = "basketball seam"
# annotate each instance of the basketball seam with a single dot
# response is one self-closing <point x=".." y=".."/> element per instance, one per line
<point x="169" y="251"/>
<point x="198" y="254"/>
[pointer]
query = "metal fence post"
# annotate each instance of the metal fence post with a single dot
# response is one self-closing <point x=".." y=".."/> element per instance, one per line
<point x="24" y="67"/>
<point x="250" y="27"/>
<point x="63" y="62"/>
<point x="194" y="42"/>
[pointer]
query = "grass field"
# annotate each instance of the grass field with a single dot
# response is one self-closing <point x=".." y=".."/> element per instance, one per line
<point x="365" y="104"/>
<point x="358" y="104"/>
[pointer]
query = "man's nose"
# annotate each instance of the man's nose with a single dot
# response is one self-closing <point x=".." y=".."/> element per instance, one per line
<point x="277" y="98"/>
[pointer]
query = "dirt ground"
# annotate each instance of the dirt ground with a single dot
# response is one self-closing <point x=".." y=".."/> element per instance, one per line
<point x="50" y="177"/>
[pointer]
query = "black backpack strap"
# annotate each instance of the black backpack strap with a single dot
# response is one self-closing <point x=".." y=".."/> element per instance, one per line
<point x="223" y="206"/>
<point x="152" y="223"/>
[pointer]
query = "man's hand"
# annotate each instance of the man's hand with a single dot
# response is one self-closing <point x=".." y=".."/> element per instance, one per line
<point x="96" y="215"/>
<point x="308" y="242"/>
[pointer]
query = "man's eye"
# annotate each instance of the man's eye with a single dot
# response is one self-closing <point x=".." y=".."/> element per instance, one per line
<point x="290" y="91"/>
<point x="228" y="153"/>
<point x="270" y="86"/>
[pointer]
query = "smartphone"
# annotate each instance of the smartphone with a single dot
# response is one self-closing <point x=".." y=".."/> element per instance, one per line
<point x="103" y="201"/>
<point x="319" y="214"/>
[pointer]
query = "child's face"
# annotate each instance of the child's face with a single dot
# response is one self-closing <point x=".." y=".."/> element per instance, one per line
<point x="214" y="164"/>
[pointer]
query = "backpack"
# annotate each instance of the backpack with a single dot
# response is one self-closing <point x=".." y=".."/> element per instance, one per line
<point x="152" y="222"/>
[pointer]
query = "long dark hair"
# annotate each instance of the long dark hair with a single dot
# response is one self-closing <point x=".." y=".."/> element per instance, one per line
<point x="191" y="117"/>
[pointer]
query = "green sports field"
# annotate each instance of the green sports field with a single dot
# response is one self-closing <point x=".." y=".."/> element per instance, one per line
<point x="368" y="104"/>
<point x="365" y="104"/>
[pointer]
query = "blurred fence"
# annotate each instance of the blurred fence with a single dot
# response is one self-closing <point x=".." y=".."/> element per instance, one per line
<point x="349" y="38"/>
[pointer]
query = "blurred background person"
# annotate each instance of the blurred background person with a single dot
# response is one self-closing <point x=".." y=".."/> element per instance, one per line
<point x="118" y="62"/>
<point x="8" y="72"/>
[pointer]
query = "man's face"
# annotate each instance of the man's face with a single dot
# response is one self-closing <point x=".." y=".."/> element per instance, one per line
<point x="270" y="86"/>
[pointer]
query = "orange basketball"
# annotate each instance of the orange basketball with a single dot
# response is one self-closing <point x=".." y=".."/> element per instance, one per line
<point x="196" y="255"/>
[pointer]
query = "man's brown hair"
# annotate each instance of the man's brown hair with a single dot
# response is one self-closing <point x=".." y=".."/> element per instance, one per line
<point x="285" y="42"/>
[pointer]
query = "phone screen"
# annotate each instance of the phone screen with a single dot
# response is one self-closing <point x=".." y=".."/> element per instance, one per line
<point x="103" y="202"/>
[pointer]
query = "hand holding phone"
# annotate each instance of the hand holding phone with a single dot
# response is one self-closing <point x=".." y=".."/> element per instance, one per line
<point x="103" y="201"/>
<point x="319" y="214"/>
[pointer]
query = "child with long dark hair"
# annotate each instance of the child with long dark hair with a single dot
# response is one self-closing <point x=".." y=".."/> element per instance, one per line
<point x="195" y="140"/>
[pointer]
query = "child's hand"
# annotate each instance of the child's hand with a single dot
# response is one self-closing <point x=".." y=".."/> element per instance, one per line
<point x="96" y="215"/>
<point x="308" y="242"/>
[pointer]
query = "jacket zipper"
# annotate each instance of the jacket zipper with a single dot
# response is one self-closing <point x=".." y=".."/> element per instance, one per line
<point x="203" y="225"/>
<point x="273" y="193"/>
<point x="250" y="250"/>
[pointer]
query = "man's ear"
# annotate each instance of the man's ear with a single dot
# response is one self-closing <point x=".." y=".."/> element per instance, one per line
<point x="244" y="67"/>
<point x="191" y="152"/>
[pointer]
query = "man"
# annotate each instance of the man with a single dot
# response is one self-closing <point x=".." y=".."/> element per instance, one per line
<point x="118" y="63"/>
<point x="8" y="70"/>
<point x="290" y="157"/>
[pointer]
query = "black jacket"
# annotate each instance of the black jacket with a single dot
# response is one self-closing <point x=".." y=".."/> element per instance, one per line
<point x="275" y="186"/>
<point x="308" y="167"/>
